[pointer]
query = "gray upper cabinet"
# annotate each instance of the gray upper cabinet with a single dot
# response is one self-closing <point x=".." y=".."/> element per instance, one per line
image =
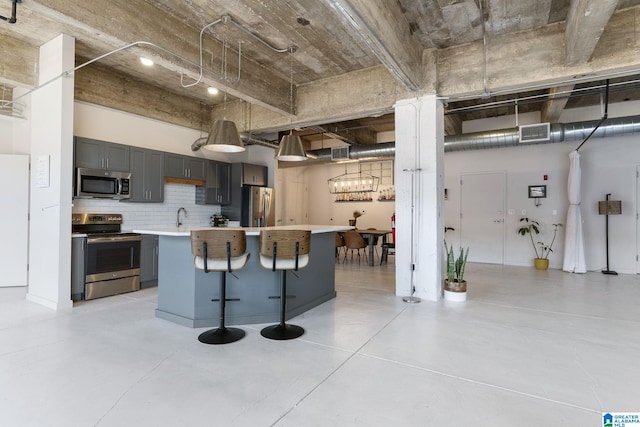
<point x="217" y="188"/>
<point x="177" y="166"/>
<point x="147" y="175"/>
<point x="94" y="154"/>
<point x="254" y="175"/>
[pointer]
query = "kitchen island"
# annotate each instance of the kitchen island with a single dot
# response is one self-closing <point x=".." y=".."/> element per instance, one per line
<point x="185" y="293"/>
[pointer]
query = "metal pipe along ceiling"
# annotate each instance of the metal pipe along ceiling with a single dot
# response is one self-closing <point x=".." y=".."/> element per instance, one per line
<point x="560" y="132"/>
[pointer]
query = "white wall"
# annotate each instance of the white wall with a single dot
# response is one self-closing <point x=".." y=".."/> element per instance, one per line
<point x="323" y="209"/>
<point x="608" y="166"/>
<point x="523" y="166"/>
<point x="6" y="136"/>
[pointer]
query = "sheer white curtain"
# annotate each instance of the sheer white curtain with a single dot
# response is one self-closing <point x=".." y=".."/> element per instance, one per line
<point x="573" y="238"/>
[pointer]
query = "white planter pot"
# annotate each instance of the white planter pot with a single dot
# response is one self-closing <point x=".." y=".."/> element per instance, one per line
<point x="455" y="296"/>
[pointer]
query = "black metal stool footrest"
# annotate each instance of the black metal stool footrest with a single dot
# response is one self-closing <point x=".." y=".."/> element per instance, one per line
<point x="278" y="297"/>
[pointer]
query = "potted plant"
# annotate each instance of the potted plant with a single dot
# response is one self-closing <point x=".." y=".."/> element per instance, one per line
<point x="356" y="215"/>
<point x="532" y="227"/>
<point x="455" y="287"/>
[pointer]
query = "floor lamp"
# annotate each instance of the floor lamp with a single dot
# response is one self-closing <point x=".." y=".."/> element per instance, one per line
<point x="411" y="298"/>
<point x="609" y="207"/>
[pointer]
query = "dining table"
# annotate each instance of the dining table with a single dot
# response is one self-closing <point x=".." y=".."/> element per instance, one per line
<point x="370" y="236"/>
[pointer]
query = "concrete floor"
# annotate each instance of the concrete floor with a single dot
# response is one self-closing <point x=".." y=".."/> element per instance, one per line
<point x="528" y="348"/>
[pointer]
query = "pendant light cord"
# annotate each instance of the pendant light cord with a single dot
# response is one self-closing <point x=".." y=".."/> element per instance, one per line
<point x="291" y="91"/>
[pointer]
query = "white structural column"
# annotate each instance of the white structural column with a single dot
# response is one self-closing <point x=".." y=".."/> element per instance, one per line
<point x="51" y="177"/>
<point x="419" y="164"/>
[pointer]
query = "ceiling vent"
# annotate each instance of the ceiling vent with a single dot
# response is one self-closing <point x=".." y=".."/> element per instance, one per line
<point x="340" y="153"/>
<point x="533" y="133"/>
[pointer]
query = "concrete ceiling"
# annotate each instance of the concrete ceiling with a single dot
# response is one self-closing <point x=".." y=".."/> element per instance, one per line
<point x="353" y="58"/>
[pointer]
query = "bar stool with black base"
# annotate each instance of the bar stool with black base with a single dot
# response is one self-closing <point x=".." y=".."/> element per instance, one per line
<point x="223" y="251"/>
<point x="284" y="250"/>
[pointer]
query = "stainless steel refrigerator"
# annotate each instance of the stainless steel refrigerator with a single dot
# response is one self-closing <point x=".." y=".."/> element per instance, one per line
<point x="258" y="206"/>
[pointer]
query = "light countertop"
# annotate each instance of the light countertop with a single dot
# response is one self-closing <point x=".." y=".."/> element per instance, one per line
<point x="250" y="231"/>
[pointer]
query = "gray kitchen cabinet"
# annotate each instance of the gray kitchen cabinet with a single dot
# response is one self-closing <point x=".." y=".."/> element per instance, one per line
<point x="147" y="177"/>
<point x="254" y="175"/>
<point x="177" y="166"/>
<point x="95" y="154"/>
<point x="149" y="261"/>
<point x="217" y="188"/>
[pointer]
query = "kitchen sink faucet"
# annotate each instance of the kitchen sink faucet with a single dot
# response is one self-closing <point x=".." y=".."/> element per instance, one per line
<point x="178" y="222"/>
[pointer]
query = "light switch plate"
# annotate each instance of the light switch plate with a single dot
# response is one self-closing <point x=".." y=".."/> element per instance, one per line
<point x="524" y="211"/>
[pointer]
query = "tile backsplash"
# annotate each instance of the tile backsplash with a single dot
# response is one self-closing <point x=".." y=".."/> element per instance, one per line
<point x="154" y="215"/>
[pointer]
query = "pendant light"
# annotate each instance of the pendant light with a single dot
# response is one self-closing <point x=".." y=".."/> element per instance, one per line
<point x="290" y="148"/>
<point x="223" y="136"/>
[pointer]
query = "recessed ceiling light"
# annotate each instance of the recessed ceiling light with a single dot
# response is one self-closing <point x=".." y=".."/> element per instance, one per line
<point x="146" y="61"/>
<point x="212" y="90"/>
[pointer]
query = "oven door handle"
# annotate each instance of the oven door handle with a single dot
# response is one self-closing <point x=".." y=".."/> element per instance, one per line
<point x="114" y="239"/>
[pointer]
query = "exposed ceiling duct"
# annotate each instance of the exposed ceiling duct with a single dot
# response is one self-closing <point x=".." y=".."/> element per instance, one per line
<point x="360" y="152"/>
<point x="560" y="132"/>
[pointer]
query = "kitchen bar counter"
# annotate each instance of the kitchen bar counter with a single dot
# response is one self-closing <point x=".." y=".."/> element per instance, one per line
<point x="250" y="231"/>
<point x="185" y="293"/>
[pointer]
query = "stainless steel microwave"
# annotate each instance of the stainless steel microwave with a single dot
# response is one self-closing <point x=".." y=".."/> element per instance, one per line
<point x="102" y="183"/>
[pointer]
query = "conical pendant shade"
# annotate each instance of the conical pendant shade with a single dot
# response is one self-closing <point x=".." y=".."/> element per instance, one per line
<point x="224" y="137"/>
<point x="291" y="149"/>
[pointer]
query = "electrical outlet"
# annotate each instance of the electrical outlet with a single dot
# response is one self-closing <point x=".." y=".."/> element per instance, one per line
<point x="511" y="211"/>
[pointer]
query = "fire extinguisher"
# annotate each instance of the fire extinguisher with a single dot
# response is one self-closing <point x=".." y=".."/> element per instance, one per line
<point x="393" y="228"/>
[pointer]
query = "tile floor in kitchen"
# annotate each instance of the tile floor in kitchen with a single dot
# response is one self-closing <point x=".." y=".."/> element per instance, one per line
<point x="528" y="348"/>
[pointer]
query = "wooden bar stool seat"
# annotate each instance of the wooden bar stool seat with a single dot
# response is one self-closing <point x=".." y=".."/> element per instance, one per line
<point x="223" y="251"/>
<point x="282" y="250"/>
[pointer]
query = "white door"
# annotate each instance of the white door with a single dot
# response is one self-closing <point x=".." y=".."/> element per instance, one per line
<point x="637" y="219"/>
<point x="482" y="216"/>
<point x="14" y="192"/>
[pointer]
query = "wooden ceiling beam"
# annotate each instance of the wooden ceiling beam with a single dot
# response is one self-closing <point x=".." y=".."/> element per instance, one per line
<point x="384" y="28"/>
<point x="586" y="21"/>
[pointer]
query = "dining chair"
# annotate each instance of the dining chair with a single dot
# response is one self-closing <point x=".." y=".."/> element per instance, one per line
<point x="354" y="241"/>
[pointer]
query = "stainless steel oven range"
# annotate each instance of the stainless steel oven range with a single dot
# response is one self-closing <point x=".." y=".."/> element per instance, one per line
<point x="111" y="257"/>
